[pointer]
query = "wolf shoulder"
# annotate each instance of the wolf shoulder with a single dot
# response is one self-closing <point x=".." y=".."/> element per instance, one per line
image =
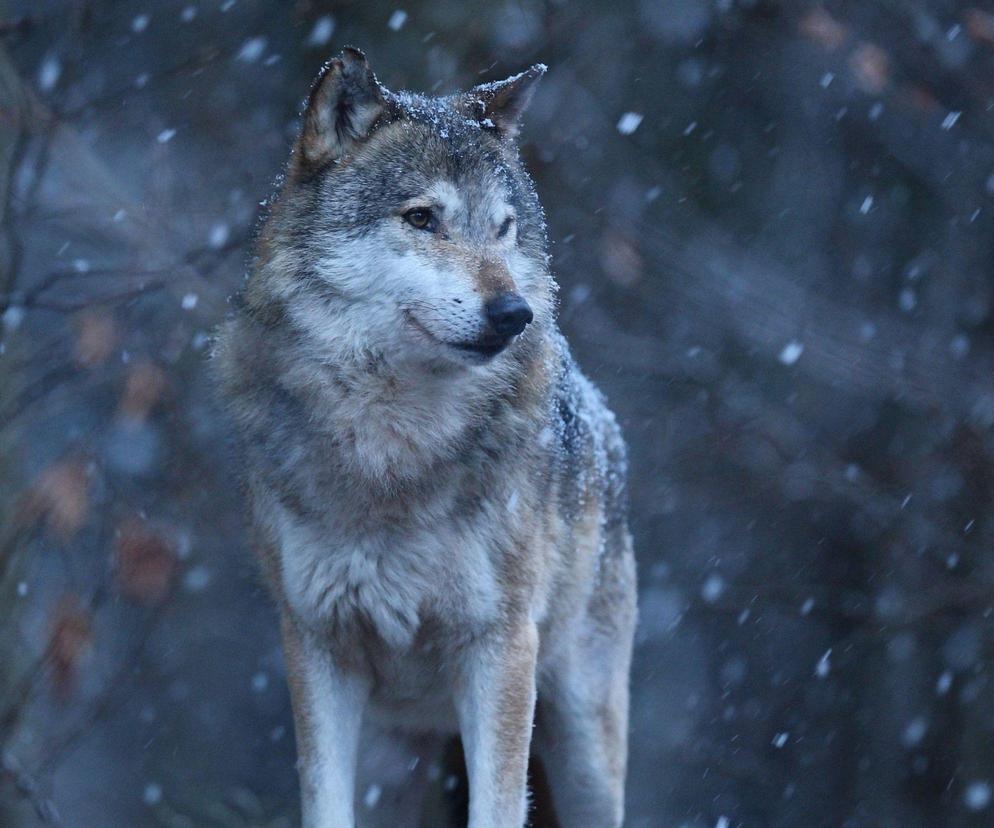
<point x="591" y="452"/>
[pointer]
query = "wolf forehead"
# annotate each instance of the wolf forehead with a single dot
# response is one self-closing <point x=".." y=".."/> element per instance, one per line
<point x="408" y="159"/>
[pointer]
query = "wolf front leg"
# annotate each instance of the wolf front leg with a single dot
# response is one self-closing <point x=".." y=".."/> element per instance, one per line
<point x="328" y="705"/>
<point x="495" y="701"/>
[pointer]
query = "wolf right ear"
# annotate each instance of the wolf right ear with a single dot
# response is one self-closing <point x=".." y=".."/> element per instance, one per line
<point x="501" y="104"/>
<point x="345" y="101"/>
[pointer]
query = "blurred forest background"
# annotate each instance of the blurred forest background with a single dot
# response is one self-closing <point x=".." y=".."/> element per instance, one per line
<point x="772" y="223"/>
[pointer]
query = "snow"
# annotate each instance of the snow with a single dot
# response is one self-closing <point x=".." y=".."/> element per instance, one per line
<point x="49" y="73"/>
<point x="165" y="136"/>
<point x="713" y="588"/>
<point x="324" y="28"/>
<point x="950" y="120"/>
<point x="152" y="795"/>
<point x="906" y="300"/>
<point x="864" y="208"/>
<point x="687" y="130"/>
<point x="629" y="122"/>
<point x="914" y="732"/>
<point x="12" y="317"/>
<point x="219" y="235"/>
<point x="977" y="796"/>
<point x="824" y="666"/>
<point x="260" y="681"/>
<point x="188" y="14"/>
<point x="397" y="20"/>
<point x="791" y="352"/>
<point x="189" y="301"/>
<point x="197" y="579"/>
<point x="140" y="23"/>
<point x="826" y="80"/>
<point x="723" y="822"/>
<point x="780" y="739"/>
<point x="22" y="589"/>
<point x="252" y="49"/>
<point x="372" y="796"/>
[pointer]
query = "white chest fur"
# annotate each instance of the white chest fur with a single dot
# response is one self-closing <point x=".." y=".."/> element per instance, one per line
<point x="385" y="583"/>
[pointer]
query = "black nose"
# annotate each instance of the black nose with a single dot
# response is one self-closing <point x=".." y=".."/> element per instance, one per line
<point x="509" y="314"/>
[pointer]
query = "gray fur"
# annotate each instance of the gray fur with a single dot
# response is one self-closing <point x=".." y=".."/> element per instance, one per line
<point x="444" y="531"/>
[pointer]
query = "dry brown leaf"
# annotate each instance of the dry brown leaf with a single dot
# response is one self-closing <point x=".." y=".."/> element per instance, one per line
<point x="96" y="336"/>
<point x="980" y="25"/>
<point x="820" y="26"/>
<point x="69" y="644"/>
<point x="620" y="258"/>
<point x="142" y="390"/>
<point x="870" y="66"/>
<point x="145" y="562"/>
<point x="60" y="497"/>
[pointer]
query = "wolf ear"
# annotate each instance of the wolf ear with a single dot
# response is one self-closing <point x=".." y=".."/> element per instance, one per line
<point x="345" y="101"/>
<point x="502" y="103"/>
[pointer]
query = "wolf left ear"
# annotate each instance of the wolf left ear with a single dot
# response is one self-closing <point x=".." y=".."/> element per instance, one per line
<point x="344" y="103"/>
<point x="502" y="103"/>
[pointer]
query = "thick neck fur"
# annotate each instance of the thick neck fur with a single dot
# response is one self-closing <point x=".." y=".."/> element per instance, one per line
<point x="393" y="418"/>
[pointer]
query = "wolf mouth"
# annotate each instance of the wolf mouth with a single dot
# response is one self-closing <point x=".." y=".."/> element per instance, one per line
<point x="486" y="346"/>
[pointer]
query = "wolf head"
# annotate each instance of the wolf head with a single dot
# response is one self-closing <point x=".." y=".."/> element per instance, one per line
<point x="406" y="227"/>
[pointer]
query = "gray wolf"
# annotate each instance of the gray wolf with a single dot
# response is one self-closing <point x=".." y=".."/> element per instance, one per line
<point x="437" y="492"/>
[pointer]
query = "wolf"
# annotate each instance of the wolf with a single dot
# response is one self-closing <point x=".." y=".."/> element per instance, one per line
<point x="437" y="492"/>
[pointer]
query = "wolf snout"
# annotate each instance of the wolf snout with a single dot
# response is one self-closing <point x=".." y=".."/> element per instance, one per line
<point x="508" y="314"/>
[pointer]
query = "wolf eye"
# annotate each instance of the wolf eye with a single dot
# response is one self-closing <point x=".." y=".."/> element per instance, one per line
<point x="420" y="218"/>
<point x="505" y="227"/>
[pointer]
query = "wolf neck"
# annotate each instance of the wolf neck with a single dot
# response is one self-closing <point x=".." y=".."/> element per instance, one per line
<point x="394" y="424"/>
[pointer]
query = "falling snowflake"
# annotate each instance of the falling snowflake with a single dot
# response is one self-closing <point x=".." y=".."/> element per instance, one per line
<point x="629" y="122"/>
<point x="977" y="796"/>
<point x="252" y="49"/>
<point x="824" y="666"/>
<point x="372" y="797"/>
<point x="49" y="73"/>
<point x="324" y="28"/>
<point x="219" y="235"/>
<point x="791" y="352"/>
<point x="713" y="587"/>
